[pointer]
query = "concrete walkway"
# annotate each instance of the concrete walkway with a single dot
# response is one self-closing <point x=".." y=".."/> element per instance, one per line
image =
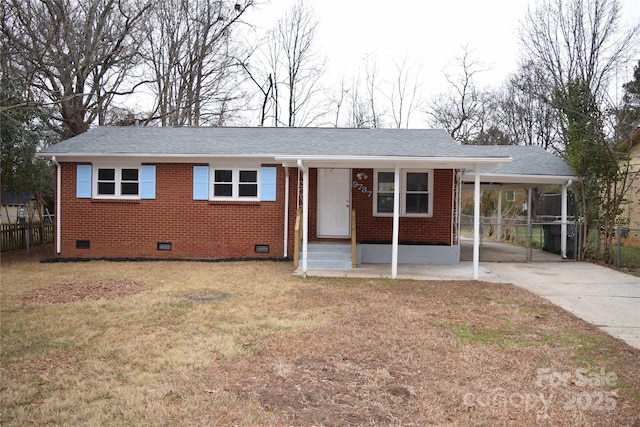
<point x="601" y="296"/>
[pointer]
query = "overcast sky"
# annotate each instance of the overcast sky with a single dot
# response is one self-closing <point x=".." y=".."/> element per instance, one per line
<point x="431" y="33"/>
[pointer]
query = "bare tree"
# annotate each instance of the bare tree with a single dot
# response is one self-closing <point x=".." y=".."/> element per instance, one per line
<point x="577" y="40"/>
<point x="461" y="111"/>
<point x="405" y="92"/>
<point x="361" y="98"/>
<point x="286" y="68"/>
<point x="188" y="50"/>
<point x="296" y="34"/>
<point x="74" y="54"/>
<point x="362" y="109"/>
<point x="524" y="112"/>
<point x="372" y="90"/>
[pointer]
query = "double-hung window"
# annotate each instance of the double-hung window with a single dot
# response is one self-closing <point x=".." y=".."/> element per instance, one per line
<point x="115" y="182"/>
<point x="235" y="183"/>
<point x="384" y="194"/>
<point x="123" y="182"/>
<point x="416" y="192"/>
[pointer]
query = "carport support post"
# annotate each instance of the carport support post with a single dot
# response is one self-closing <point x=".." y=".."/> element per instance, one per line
<point x="396" y="222"/>
<point x="305" y="216"/>
<point x="476" y="223"/>
<point x="563" y="224"/>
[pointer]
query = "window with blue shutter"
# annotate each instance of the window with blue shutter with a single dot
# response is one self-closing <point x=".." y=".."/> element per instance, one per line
<point x="83" y="181"/>
<point x="268" y="184"/>
<point x="148" y="182"/>
<point x="201" y="183"/>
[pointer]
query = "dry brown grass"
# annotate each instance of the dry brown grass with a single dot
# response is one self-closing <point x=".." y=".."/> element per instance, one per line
<point x="274" y="349"/>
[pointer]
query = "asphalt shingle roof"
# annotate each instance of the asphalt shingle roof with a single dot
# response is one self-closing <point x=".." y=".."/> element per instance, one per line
<point x="527" y="160"/>
<point x="255" y="141"/>
<point x="248" y="141"/>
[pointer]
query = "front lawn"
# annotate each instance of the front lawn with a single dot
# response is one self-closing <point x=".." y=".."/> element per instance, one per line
<point x="250" y="344"/>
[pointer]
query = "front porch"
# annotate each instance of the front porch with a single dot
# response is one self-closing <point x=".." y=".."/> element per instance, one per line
<point x="339" y="256"/>
<point x="373" y="260"/>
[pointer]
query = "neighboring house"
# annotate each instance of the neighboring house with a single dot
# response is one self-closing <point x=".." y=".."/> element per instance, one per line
<point x="632" y="210"/>
<point x="17" y="207"/>
<point x="221" y="193"/>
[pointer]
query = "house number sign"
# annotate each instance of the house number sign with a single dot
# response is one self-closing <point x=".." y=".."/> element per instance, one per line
<point x="360" y="186"/>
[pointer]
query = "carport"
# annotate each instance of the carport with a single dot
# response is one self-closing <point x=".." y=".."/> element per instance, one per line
<point x="532" y="167"/>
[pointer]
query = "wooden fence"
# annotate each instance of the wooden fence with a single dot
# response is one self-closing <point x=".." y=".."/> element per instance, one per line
<point x="18" y="236"/>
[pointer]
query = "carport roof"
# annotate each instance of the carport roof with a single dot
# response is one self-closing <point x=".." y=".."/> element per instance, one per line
<point x="531" y="165"/>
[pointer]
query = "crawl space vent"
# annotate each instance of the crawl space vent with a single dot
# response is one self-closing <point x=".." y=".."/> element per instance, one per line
<point x="262" y="249"/>
<point x="164" y="246"/>
<point x="83" y="244"/>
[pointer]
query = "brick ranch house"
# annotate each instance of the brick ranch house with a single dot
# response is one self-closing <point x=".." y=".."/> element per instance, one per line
<point x="390" y="196"/>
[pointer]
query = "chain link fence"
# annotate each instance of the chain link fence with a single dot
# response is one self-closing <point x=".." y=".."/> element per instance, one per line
<point x="513" y="240"/>
<point x="624" y="250"/>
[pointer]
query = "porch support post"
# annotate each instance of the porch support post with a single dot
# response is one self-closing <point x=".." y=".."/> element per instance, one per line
<point x="476" y="223"/>
<point x="286" y="211"/>
<point x="500" y="214"/>
<point x="305" y="216"/>
<point x="563" y="219"/>
<point x="529" y="199"/>
<point x="396" y="223"/>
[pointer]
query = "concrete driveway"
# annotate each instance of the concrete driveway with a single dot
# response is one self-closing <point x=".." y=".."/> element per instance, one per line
<point x="601" y="296"/>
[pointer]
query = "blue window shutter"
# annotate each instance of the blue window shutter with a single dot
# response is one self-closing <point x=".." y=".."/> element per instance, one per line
<point x="268" y="184"/>
<point x="148" y="182"/>
<point x="83" y="182"/>
<point x="201" y="183"/>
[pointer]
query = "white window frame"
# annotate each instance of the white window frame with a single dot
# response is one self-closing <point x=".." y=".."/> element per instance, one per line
<point x="118" y="181"/>
<point x="403" y="193"/>
<point x="235" y="182"/>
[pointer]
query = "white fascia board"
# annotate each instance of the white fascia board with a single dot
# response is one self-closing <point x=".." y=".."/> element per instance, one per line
<point x="391" y="161"/>
<point x="493" y="178"/>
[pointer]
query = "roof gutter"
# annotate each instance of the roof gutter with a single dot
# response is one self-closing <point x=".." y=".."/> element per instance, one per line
<point x="495" y="178"/>
<point x="445" y="162"/>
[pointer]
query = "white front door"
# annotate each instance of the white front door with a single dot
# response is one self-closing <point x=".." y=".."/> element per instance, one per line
<point x="334" y="202"/>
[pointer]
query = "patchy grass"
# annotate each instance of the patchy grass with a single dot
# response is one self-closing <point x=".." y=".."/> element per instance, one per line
<point x="183" y="343"/>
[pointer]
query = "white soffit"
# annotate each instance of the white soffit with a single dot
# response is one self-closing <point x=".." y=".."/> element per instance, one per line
<point x="506" y="179"/>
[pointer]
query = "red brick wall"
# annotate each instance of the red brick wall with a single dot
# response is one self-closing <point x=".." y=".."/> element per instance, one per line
<point x="196" y="228"/>
<point x="202" y="229"/>
<point x="436" y="229"/>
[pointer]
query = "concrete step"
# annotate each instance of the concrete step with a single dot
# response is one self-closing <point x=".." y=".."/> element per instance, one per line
<point x="328" y="256"/>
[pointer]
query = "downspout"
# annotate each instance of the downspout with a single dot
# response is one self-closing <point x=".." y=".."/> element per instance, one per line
<point x="286" y="211"/>
<point x="305" y="215"/>
<point x="58" y="199"/>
